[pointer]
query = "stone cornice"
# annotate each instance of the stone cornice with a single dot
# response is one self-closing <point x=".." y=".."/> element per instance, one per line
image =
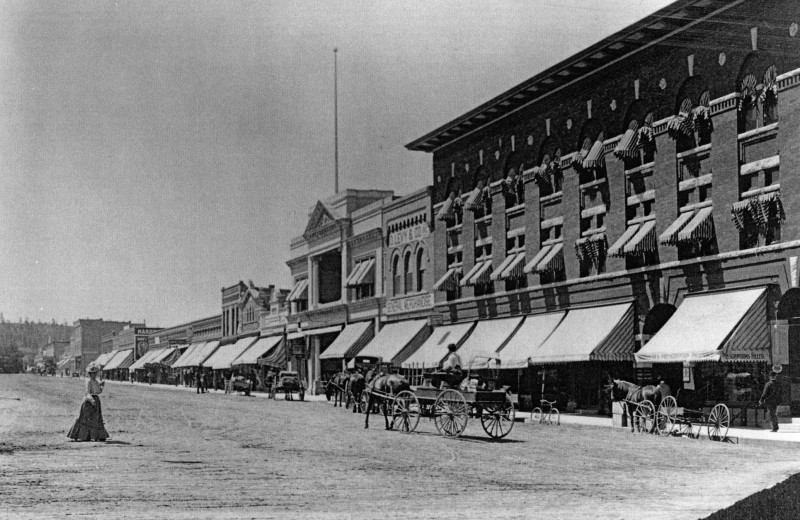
<point x="375" y="234"/>
<point x="725" y="103"/>
<point x="788" y="80"/>
<point x="297" y="262"/>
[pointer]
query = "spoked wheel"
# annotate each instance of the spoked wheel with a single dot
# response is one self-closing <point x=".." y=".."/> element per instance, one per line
<point x="644" y="417"/>
<point x="667" y="413"/>
<point x="405" y="412"/>
<point x="450" y="413"/>
<point x="718" y="422"/>
<point x="536" y="415"/>
<point x="364" y="401"/>
<point x="497" y="419"/>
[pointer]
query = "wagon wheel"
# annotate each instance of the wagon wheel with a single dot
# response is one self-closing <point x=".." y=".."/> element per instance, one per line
<point x="718" y="422"/>
<point x="405" y="412"/>
<point x="497" y="419"/>
<point x="364" y="401"/>
<point x="644" y="417"/>
<point x="667" y="413"/>
<point x="450" y="413"/>
<point x="536" y="415"/>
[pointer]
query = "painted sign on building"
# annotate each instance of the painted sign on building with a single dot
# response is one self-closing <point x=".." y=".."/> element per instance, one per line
<point x="409" y="234"/>
<point x="409" y="304"/>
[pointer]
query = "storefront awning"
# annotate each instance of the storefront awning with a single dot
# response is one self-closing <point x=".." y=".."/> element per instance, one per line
<point x="352" y="339"/>
<point x="313" y="332"/>
<point x="618" y="247"/>
<point x="257" y="350"/>
<point x="644" y="241"/>
<point x="434" y="350"/>
<point x="530" y="336"/>
<point x="187" y="355"/>
<point x="701" y="227"/>
<point x="164" y="355"/>
<point x="226" y="354"/>
<point x="276" y="357"/>
<point x="64" y="363"/>
<point x="394" y="339"/>
<point x="203" y="353"/>
<point x="670" y="235"/>
<point x="148" y="357"/>
<point x="486" y="338"/>
<point x="450" y="280"/>
<point x="299" y="291"/>
<point x="103" y="359"/>
<point x="720" y="326"/>
<point x="122" y="359"/>
<point x="591" y="334"/>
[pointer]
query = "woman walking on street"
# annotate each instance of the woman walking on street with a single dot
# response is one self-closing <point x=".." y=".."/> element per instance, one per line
<point x="89" y="426"/>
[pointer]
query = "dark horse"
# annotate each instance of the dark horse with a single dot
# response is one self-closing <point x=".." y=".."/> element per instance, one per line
<point x="631" y="394"/>
<point x="382" y="389"/>
<point x="336" y="388"/>
<point x="353" y="389"/>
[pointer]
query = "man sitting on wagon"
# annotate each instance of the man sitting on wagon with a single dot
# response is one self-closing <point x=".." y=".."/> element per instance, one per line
<point x="451" y="369"/>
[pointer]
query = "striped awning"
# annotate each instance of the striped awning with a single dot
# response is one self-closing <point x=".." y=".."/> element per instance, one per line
<point x="499" y="271"/>
<point x="591" y="248"/>
<point x="718" y="326"/>
<point x="644" y="241"/>
<point x="350" y="341"/>
<point x="275" y="357"/>
<point x="531" y="266"/>
<point x="450" y="280"/>
<point x="596" y="156"/>
<point x="740" y="213"/>
<point x="475" y="200"/>
<point x="553" y="261"/>
<point x="616" y="248"/>
<point x="590" y="334"/>
<point x="701" y="227"/>
<point x="515" y="269"/>
<point x="363" y="274"/>
<point x="299" y="291"/>
<point x="670" y="235"/>
<point x="479" y="270"/>
<point x="628" y="145"/>
<point x="683" y="122"/>
<point x="447" y="211"/>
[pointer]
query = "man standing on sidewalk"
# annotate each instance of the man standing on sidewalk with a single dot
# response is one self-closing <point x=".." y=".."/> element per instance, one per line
<point x="771" y="398"/>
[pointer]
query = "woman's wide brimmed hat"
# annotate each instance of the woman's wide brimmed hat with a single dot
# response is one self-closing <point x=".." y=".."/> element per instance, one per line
<point x="91" y="369"/>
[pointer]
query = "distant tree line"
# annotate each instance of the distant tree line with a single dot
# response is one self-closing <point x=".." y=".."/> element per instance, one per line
<point x="20" y="342"/>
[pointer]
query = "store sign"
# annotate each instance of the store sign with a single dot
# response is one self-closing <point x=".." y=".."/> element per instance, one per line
<point x="409" y="304"/>
<point x="779" y="332"/>
<point x="409" y="234"/>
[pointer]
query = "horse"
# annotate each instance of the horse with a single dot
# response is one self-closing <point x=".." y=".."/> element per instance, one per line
<point x="336" y="388"/>
<point x="383" y="388"/>
<point x="353" y="389"/>
<point x="631" y="394"/>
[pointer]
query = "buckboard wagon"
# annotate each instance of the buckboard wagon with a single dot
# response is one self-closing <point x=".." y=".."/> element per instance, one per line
<point x="451" y="408"/>
<point x="668" y="419"/>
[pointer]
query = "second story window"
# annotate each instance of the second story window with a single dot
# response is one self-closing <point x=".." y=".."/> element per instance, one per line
<point x="362" y="279"/>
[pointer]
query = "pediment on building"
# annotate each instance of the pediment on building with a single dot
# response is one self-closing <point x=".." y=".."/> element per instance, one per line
<point x="321" y="219"/>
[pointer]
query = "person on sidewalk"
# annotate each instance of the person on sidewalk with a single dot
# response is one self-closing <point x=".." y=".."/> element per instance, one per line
<point x="771" y="398"/>
<point x="197" y="380"/>
<point x="89" y="426"/>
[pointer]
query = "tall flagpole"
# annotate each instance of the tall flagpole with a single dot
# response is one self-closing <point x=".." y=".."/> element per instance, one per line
<point x="335" y="126"/>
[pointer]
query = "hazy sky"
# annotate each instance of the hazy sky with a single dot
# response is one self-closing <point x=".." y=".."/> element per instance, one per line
<point x="153" y="152"/>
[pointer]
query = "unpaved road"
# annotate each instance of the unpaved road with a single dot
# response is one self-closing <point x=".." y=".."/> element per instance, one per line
<point x="176" y="454"/>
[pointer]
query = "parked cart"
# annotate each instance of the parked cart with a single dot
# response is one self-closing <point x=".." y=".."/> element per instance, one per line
<point x="673" y="420"/>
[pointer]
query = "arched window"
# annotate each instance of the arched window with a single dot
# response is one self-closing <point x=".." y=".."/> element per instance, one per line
<point x="420" y="269"/>
<point x="397" y="276"/>
<point x="409" y="273"/>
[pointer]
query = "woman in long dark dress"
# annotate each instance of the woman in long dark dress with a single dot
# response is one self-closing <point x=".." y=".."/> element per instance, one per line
<point x="89" y="426"/>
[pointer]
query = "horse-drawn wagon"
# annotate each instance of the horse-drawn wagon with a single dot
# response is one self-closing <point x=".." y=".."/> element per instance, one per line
<point x="289" y="382"/>
<point x="450" y="404"/>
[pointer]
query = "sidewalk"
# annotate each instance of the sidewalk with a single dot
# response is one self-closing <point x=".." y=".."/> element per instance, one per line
<point x="279" y="395"/>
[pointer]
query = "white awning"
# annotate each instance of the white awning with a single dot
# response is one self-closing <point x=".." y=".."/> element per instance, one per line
<point x="505" y="263"/>
<point x="434" y="350"/>
<point x="226" y="354"/>
<point x="530" y="336"/>
<point x="257" y="350"/>
<point x="299" y="291"/>
<point x="394" y="338"/>
<point x="203" y="353"/>
<point x="182" y="361"/>
<point x="644" y="240"/>
<point x="471" y="273"/>
<point x="590" y="334"/>
<point x="121" y="359"/>
<point x="363" y="273"/>
<point x="700" y="227"/>
<point x="450" y="280"/>
<point x="148" y="357"/>
<point x="103" y="359"/>
<point x="488" y="336"/>
<point x="163" y="355"/>
<point x="536" y="260"/>
<point x="617" y="248"/>
<point x="719" y="326"/>
<point x="352" y="339"/>
<point x="670" y="235"/>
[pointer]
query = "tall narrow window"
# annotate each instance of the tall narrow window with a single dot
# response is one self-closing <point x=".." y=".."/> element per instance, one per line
<point x="409" y="273"/>
<point x="397" y="276"/>
<point x="420" y="269"/>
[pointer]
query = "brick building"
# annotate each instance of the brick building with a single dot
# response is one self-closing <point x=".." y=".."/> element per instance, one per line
<point x="85" y="340"/>
<point x="606" y="193"/>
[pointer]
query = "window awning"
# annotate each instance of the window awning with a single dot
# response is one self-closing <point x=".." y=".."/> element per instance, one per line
<point x="299" y="291"/>
<point x="471" y="273"/>
<point x="187" y="355"/>
<point x="446" y="212"/>
<point x="475" y="200"/>
<point x="531" y="266"/>
<point x="450" y="280"/>
<point x="701" y="227"/>
<point x="645" y="239"/>
<point x="483" y="275"/>
<point x="362" y="274"/>
<point x="554" y="261"/>
<point x="226" y="354"/>
<point x="121" y="359"/>
<point x="257" y="350"/>
<point x="395" y="339"/>
<point x="486" y="338"/>
<point x="352" y="339"/>
<point x="533" y="332"/>
<point x="508" y="259"/>
<point x="670" y="235"/>
<point x="596" y="156"/>
<point x="721" y="326"/>
<point x="515" y="268"/>
<point x="591" y="334"/>
<point x="313" y="332"/>
<point x="618" y="247"/>
<point x="148" y="357"/>
<point x="628" y="146"/>
<point x="434" y="350"/>
<point x="203" y="353"/>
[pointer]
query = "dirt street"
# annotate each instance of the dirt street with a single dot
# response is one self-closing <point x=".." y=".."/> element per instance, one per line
<point x="176" y="454"/>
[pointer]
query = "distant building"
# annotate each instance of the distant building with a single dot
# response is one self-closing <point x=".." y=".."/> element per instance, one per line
<point x="85" y="340"/>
